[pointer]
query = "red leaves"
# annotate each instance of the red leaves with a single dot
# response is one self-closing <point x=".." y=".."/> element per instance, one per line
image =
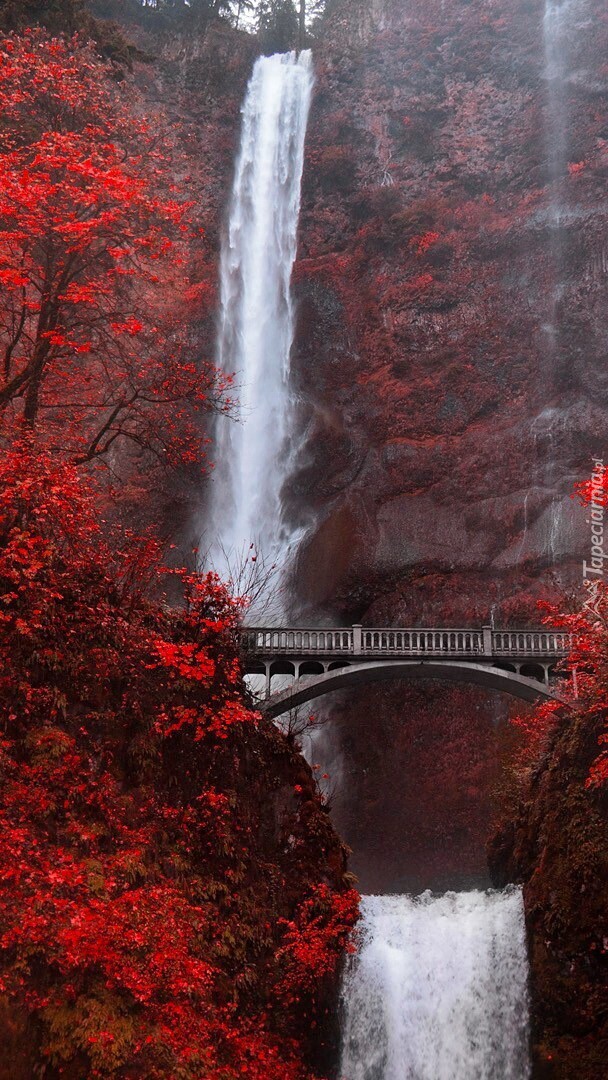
<point x="421" y="244"/>
<point x="139" y="906"/>
<point x="93" y="242"/>
<point x="128" y="857"/>
<point x="315" y="941"/>
<point x="586" y="668"/>
<point x="187" y="660"/>
<point x="129" y="326"/>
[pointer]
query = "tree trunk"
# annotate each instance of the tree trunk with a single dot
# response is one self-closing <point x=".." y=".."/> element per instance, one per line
<point x="302" y="22"/>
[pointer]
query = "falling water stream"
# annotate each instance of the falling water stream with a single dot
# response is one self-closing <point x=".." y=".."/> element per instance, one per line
<point x="255" y="454"/>
<point x="438" y="990"/>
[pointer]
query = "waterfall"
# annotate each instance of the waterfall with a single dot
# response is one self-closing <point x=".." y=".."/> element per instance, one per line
<point x="255" y="453"/>
<point x="559" y="17"/>
<point x="438" y="989"/>
<point x="555" y="27"/>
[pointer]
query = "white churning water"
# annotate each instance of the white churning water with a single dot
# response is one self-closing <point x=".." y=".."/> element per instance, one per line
<point x="438" y="990"/>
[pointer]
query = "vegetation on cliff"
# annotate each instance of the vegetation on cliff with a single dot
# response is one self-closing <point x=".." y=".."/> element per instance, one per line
<point x="173" y="898"/>
<point x="557" y="844"/>
<point x="279" y="24"/>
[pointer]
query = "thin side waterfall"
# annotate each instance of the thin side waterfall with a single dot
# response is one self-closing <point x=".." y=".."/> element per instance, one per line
<point x="438" y="990"/>
<point x="559" y="17"/>
<point x="555" y="27"/>
<point x="255" y="454"/>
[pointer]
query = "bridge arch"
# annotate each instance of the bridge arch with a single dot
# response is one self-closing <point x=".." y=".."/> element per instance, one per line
<point x="522" y="686"/>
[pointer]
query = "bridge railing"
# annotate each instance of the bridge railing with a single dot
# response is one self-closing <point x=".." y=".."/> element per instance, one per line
<point x="413" y="642"/>
<point x="530" y="642"/>
<point x="269" y="641"/>
<point x="404" y="641"/>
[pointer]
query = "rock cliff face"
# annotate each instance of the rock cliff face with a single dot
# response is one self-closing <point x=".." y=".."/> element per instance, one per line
<point x="452" y="282"/>
<point x="452" y="342"/>
<point x="451" y="354"/>
<point x="557" y="845"/>
<point x="450" y="357"/>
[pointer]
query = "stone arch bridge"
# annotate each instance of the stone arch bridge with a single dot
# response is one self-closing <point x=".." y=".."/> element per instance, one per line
<point x="518" y="662"/>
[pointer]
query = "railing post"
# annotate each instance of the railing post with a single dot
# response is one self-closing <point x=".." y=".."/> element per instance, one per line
<point x="357" y="642"/>
<point x="487" y="640"/>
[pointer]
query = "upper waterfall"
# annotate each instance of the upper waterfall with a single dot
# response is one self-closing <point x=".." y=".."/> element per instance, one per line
<point x="254" y="454"/>
<point x="438" y="990"/>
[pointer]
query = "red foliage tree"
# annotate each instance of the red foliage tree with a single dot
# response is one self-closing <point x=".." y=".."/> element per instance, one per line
<point x="586" y="667"/>
<point x="92" y="262"/>
<point x="160" y="916"/>
<point x="145" y="929"/>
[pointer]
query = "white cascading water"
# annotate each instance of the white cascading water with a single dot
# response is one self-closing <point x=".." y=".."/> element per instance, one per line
<point x="256" y="453"/>
<point x="438" y="989"/>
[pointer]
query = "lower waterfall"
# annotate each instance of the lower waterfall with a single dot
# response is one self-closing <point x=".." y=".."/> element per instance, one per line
<point x="438" y="989"/>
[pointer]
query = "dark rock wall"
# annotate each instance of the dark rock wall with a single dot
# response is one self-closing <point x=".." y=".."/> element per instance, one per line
<point x="557" y="845"/>
<point x="451" y="356"/>
<point x="451" y="352"/>
<point x="449" y="422"/>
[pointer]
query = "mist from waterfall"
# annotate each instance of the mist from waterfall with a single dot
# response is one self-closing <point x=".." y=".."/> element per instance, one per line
<point x="438" y="989"/>
<point x="256" y="450"/>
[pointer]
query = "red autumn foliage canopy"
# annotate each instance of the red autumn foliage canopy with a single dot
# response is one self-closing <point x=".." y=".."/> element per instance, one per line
<point x="172" y="904"/>
<point x="133" y="927"/>
<point x="92" y="262"/>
